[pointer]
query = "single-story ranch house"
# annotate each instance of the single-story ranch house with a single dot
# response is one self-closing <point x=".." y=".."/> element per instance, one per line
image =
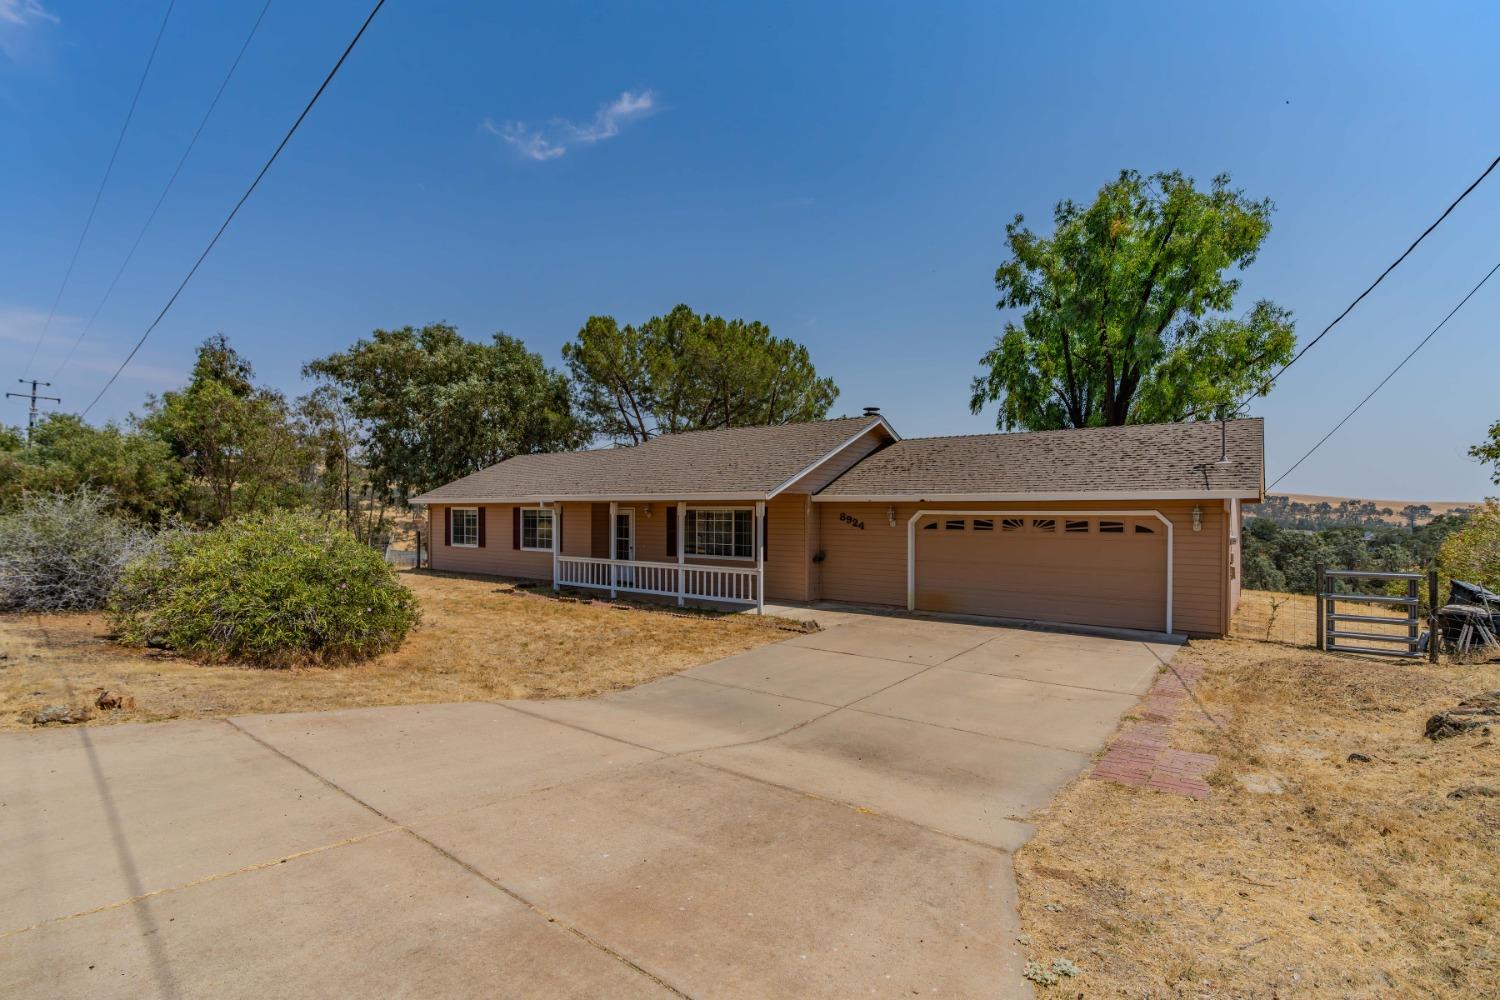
<point x="1129" y="527"/>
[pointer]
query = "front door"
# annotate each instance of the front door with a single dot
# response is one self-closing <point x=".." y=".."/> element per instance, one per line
<point x="625" y="545"/>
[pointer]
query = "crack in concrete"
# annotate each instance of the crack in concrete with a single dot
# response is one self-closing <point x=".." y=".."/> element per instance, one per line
<point x="536" y="908"/>
<point x="203" y="880"/>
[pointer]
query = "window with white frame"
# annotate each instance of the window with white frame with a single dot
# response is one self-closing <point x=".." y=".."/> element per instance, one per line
<point x="720" y="532"/>
<point x="465" y="527"/>
<point x="536" y="529"/>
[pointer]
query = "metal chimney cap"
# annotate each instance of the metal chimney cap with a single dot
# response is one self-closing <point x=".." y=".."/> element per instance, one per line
<point x="872" y="411"/>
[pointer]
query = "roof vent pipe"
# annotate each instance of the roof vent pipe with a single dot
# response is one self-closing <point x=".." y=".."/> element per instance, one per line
<point x="872" y="411"/>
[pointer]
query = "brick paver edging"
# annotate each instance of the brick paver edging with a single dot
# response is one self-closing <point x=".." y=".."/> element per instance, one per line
<point x="1142" y="756"/>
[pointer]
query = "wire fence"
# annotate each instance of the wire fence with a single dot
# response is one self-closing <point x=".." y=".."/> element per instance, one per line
<point x="1292" y="618"/>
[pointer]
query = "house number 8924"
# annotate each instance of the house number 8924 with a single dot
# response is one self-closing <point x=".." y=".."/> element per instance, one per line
<point x="852" y="520"/>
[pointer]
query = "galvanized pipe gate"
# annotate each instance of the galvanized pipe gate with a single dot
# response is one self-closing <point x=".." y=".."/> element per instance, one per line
<point x="1332" y="634"/>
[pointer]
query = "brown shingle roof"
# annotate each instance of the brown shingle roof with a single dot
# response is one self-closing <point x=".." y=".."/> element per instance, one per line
<point x="738" y="462"/>
<point x="1161" y="459"/>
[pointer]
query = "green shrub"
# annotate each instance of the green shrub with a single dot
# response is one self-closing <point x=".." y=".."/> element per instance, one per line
<point x="1472" y="554"/>
<point x="277" y="588"/>
<point x="64" y="551"/>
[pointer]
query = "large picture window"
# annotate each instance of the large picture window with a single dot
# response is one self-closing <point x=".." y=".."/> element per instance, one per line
<point x="720" y="533"/>
<point x="466" y="527"/>
<point x="536" y="529"/>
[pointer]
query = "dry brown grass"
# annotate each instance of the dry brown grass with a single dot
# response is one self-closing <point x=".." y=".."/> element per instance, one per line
<point x="1361" y="880"/>
<point x="479" y="639"/>
<point x="1270" y="616"/>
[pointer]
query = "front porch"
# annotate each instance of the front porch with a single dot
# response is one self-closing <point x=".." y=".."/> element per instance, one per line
<point x="709" y="551"/>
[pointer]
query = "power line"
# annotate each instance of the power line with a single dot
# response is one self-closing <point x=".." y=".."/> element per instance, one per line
<point x="1362" y="402"/>
<point x="163" y="197"/>
<point x="1264" y="386"/>
<point x="89" y="222"/>
<point x="237" y="205"/>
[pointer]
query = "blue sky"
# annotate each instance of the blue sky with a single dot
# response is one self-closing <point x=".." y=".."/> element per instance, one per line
<point x="842" y="172"/>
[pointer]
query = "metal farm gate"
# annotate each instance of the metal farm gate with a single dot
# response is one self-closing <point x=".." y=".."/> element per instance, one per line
<point x="1353" y="631"/>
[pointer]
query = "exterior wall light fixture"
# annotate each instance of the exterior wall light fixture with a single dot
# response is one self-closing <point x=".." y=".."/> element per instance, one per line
<point x="1197" y="519"/>
<point x="890" y="516"/>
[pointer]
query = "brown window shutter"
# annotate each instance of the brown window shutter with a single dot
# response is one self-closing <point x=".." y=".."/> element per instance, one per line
<point x="765" y="536"/>
<point x="447" y="525"/>
<point x="671" y="532"/>
<point x="557" y="523"/>
<point x="481" y="527"/>
<point x="515" y="527"/>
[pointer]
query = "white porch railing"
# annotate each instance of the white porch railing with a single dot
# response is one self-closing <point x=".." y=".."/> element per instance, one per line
<point x="729" y="584"/>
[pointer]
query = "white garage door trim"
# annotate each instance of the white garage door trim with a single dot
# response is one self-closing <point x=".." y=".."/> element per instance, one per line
<point x="911" y="540"/>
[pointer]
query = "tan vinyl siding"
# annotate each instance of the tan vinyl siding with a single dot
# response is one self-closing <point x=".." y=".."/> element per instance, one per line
<point x="497" y="557"/>
<point x="786" y="548"/>
<point x="578" y="529"/>
<point x="599" y="530"/>
<point x="1236" y="528"/>
<point x="868" y="566"/>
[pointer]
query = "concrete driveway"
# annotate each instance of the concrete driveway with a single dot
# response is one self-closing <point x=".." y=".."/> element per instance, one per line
<point x="829" y="816"/>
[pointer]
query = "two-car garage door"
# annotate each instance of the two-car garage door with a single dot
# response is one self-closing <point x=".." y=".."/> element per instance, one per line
<point x="1082" y="568"/>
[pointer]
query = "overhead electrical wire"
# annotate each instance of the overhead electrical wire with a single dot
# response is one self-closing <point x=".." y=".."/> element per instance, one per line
<point x="164" y="191"/>
<point x="1421" y="344"/>
<point x="1264" y="386"/>
<point x="103" y="182"/>
<point x="237" y="205"/>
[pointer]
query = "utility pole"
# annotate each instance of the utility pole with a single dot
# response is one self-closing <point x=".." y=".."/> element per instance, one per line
<point x="32" y="395"/>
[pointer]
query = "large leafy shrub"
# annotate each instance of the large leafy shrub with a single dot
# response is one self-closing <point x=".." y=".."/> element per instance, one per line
<point x="1472" y="554"/>
<point x="276" y="588"/>
<point x="64" y="551"/>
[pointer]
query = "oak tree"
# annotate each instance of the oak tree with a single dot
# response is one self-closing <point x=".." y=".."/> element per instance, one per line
<point x="433" y="406"/>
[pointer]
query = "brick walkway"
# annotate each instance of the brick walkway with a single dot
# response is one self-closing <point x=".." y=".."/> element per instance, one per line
<point x="1143" y="757"/>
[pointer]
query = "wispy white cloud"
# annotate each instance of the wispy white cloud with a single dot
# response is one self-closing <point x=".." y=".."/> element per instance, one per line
<point x="154" y="376"/>
<point x="18" y="19"/>
<point x="23" y="325"/>
<point x="23" y="12"/>
<point x="550" y="141"/>
<point x="20" y="326"/>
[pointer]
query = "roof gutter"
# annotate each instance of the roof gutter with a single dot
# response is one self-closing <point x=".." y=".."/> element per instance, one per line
<point x="427" y="499"/>
<point x="1034" y="497"/>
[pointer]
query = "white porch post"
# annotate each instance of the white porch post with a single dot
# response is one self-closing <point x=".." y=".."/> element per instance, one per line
<point x="760" y="557"/>
<point x="556" y="544"/>
<point x="681" y="551"/>
<point x="614" y="507"/>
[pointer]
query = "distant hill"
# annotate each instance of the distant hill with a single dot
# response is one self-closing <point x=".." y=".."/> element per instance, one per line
<point x="1312" y="512"/>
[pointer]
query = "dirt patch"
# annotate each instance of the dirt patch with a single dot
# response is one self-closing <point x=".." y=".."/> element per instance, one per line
<point x="1358" y="874"/>
<point x="479" y="639"/>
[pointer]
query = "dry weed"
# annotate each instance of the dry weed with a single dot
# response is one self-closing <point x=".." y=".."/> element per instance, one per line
<point x="479" y="639"/>
<point x="1363" y="880"/>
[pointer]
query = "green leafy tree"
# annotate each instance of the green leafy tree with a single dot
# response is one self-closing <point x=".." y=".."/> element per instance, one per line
<point x="238" y="442"/>
<point x="1127" y="309"/>
<point x="685" y="371"/>
<point x="1472" y="553"/>
<point x="135" y="470"/>
<point x="1489" y="451"/>
<point x="342" y="480"/>
<point x="1261" y="572"/>
<point x="433" y="407"/>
